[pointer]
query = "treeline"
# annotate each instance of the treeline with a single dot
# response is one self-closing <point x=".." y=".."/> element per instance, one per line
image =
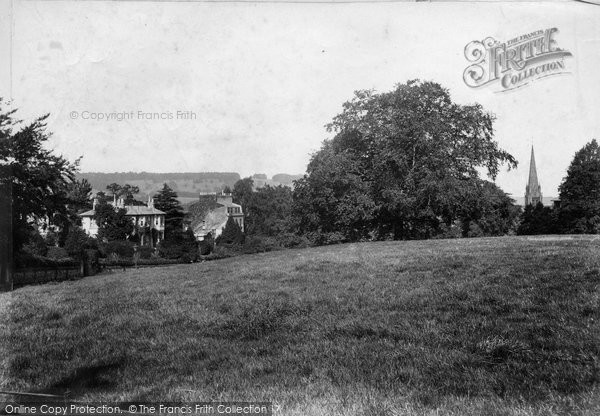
<point x="204" y="180"/>
<point x="578" y="211"/>
<point x="405" y="165"/>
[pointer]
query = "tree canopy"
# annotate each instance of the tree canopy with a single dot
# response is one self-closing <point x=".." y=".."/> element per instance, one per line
<point x="242" y="191"/>
<point x="580" y="192"/>
<point x="166" y="201"/>
<point x="400" y="164"/>
<point x="39" y="180"/>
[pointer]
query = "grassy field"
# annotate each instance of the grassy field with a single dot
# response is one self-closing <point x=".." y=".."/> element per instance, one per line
<point x="501" y="326"/>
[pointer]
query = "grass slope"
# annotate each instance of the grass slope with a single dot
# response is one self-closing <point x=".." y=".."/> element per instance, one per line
<point x="503" y="326"/>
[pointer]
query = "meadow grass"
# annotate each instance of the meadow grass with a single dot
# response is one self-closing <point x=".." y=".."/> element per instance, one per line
<point x="497" y="326"/>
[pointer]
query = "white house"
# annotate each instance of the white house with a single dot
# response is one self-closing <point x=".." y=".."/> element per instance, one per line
<point x="142" y="216"/>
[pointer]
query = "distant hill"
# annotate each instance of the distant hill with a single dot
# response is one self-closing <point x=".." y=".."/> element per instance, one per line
<point x="187" y="185"/>
<point x="285" y="179"/>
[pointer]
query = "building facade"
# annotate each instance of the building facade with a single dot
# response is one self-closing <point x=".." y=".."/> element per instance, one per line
<point x="144" y="217"/>
<point x="210" y="214"/>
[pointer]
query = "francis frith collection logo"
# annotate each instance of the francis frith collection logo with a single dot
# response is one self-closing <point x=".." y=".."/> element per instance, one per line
<point x="516" y="62"/>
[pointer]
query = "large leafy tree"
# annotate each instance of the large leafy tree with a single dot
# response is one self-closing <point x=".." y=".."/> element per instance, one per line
<point x="580" y="192"/>
<point x="399" y="164"/>
<point x="39" y="179"/>
<point x="242" y="191"/>
<point x="269" y="211"/>
<point x="166" y="201"/>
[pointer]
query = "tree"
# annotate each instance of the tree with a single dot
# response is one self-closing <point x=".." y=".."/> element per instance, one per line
<point x="77" y="241"/>
<point x="166" y="201"/>
<point x="242" y="191"/>
<point x="78" y="196"/>
<point x="126" y="192"/>
<point x="39" y="179"/>
<point x="113" y="224"/>
<point x="537" y="219"/>
<point x="232" y="234"/>
<point x="398" y="165"/>
<point x="269" y="211"/>
<point x="182" y="245"/>
<point x="580" y="192"/>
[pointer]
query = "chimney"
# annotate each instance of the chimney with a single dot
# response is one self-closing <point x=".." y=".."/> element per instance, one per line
<point x="150" y="203"/>
<point x="94" y="203"/>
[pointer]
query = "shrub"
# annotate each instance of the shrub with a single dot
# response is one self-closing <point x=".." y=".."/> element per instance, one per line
<point x="36" y="246"/>
<point x="120" y="262"/>
<point x="290" y="240"/>
<point x="179" y="245"/>
<point x="24" y="260"/>
<point x="77" y="241"/>
<point x="51" y="239"/>
<point x="145" y="252"/>
<point x="122" y="249"/>
<point x="57" y="253"/>
<point x="205" y="247"/>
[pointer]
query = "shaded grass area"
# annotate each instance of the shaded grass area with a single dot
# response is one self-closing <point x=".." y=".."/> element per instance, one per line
<point x="480" y="326"/>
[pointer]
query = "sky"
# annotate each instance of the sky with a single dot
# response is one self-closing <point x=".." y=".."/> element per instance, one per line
<point x="258" y="81"/>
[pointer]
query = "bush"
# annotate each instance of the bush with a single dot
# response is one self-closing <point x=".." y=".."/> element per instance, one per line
<point x="178" y="246"/>
<point x="205" y="247"/>
<point x="24" y="260"/>
<point x="145" y="252"/>
<point x="454" y="230"/>
<point x="92" y="262"/>
<point x="36" y="245"/>
<point x="120" y="262"/>
<point x="51" y="239"/>
<point x="122" y="249"/>
<point x="290" y="240"/>
<point x="57" y="253"/>
<point x="77" y="241"/>
<point x="220" y="253"/>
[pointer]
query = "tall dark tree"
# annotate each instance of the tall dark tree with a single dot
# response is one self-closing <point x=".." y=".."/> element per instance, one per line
<point x="580" y="192"/>
<point x="242" y="191"/>
<point x="232" y="234"/>
<point x="537" y="219"/>
<point x="38" y="178"/>
<point x="166" y="201"/>
<point x="397" y="164"/>
<point x="78" y="195"/>
<point x="113" y="224"/>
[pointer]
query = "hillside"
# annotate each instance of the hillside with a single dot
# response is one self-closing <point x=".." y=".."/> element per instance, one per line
<point x="498" y="326"/>
<point x="187" y="185"/>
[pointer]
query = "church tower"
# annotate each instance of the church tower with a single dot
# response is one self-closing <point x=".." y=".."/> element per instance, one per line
<point x="533" y="190"/>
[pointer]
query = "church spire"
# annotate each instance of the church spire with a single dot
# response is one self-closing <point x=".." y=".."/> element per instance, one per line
<point x="533" y="190"/>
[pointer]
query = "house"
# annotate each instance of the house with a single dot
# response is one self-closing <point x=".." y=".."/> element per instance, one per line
<point x="142" y="216"/>
<point x="210" y="213"/>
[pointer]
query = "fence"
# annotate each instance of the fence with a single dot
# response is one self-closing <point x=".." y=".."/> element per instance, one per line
<point x="33" y="275"/>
